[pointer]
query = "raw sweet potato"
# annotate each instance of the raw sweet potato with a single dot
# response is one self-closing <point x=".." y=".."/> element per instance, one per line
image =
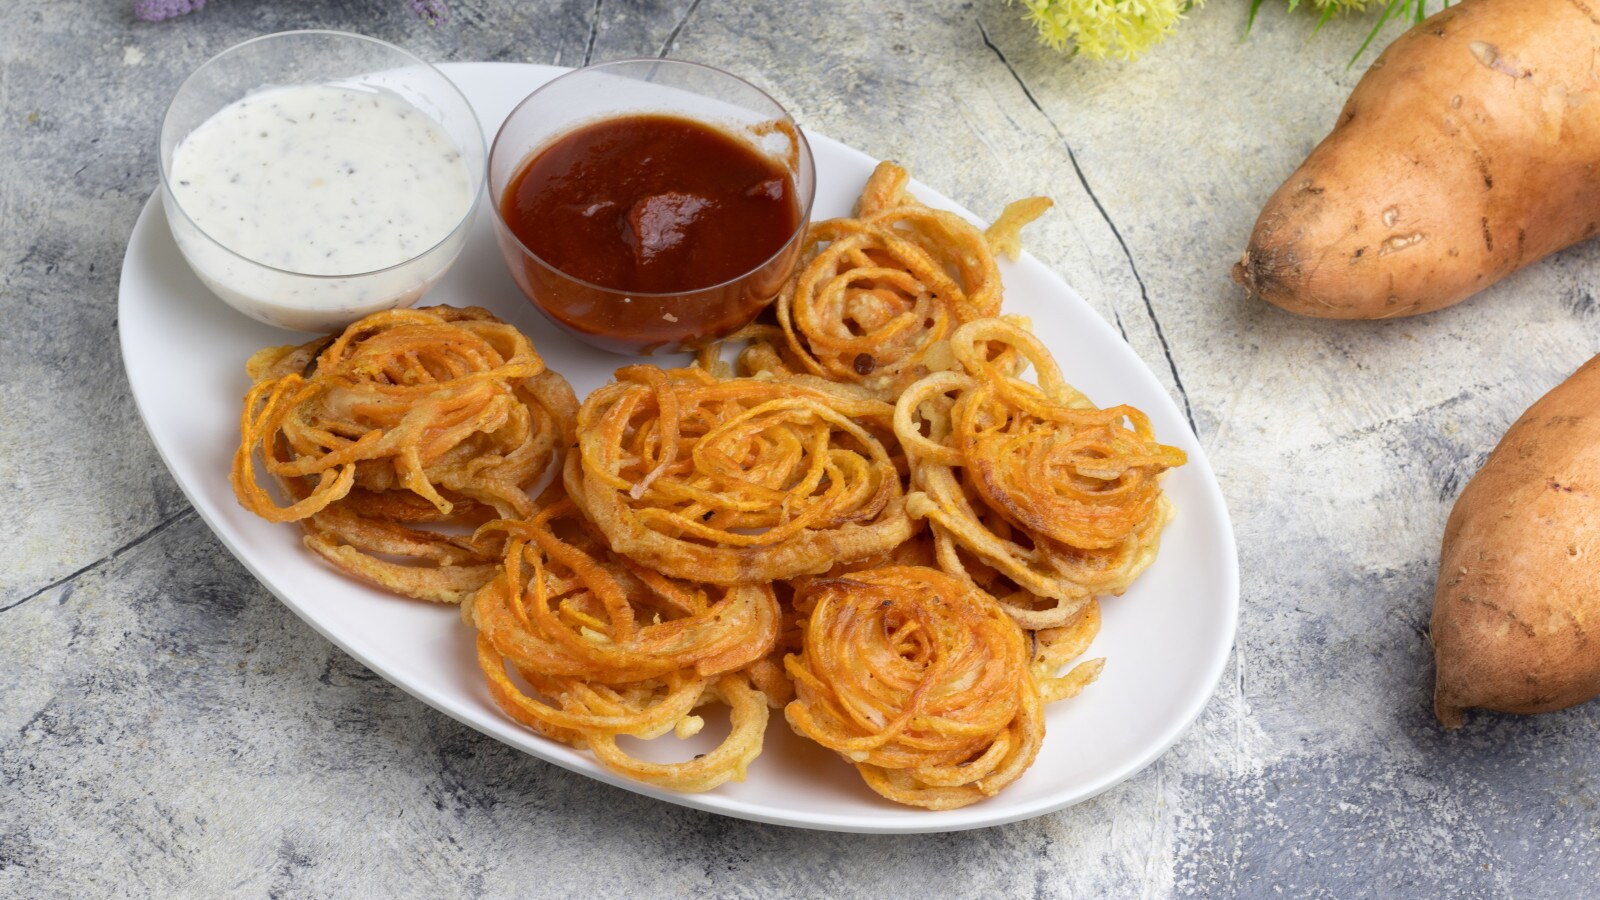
<point x="1470" y="149"/>
<point x="1519" y="574"/>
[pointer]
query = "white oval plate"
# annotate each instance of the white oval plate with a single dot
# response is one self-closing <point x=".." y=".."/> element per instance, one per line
<point x="1166" y="641"/>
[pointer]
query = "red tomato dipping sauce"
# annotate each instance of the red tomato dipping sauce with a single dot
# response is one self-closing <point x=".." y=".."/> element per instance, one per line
<point x="653" y="232"/>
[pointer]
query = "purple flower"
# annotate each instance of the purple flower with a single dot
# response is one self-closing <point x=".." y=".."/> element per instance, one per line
<point x="156" y="10"/>
<point x="430" y="11"/>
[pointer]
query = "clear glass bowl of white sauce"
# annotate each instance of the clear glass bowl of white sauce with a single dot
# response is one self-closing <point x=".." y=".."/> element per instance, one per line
<point x="314" y="177"/>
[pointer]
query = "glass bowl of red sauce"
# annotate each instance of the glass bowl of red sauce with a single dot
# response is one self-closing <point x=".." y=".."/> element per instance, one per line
<point x="650" y="206"/>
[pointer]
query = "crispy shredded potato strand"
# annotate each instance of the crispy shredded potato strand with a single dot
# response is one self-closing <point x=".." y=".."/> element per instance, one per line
<point x="608" y="648"/>
<point x="1054" y="648"/>
<point x="1005" y="235"/>
<point x="1056" y="495"/>
<point x="918" y="679"/>
<point x="409" y="417"/>
<point x="739" y="480"/>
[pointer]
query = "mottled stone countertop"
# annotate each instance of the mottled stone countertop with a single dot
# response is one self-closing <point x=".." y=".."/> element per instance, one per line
<point x="167" y="728"/>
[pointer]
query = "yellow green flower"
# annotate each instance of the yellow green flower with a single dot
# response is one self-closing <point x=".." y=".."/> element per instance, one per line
<point x="1105" y="28"/>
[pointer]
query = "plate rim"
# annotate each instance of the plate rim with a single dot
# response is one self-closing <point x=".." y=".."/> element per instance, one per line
<point x="946" y="821"/>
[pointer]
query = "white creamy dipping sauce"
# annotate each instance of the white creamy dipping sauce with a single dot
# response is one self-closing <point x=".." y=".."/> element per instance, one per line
<point x="319" y="180"/>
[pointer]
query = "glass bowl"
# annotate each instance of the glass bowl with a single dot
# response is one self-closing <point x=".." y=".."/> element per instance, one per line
<point x="652" y="322"/>
<point x="290" y="291"/>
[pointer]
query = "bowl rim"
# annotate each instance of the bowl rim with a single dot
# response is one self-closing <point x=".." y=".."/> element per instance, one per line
<point x="804" y="154"/>
<point x="478" y="174"/>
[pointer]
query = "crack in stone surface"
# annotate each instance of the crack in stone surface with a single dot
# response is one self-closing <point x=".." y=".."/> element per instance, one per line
<point x="594" y="31"/>
<point x="672" y="38"/>
<point x="1144" y="293"/>
<point x="111" y="557"/>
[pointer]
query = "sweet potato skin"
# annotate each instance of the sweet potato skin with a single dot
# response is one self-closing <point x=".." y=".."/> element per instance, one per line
<point x="1470" y="149"/>
<point x="1519" y="571"/>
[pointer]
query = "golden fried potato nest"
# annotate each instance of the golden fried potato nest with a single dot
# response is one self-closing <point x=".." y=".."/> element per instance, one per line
<point x="737" y="480"/>
<point x="608" y="648"/>
<point x="918" y="679"/>
<point x="433" y="416"/>
<point x="876" y="295"/>
<point x="1034" y="481"/>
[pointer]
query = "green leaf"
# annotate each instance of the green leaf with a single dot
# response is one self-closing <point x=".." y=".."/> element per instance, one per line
<point x="1327" y="14"/>
<point x="1388" y="10"/>
<point x="1255" y="7"/>
<point x="1412" y="12"/>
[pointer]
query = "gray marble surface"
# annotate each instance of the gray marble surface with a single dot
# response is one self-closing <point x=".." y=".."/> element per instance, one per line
<point x="168" y="729"/>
